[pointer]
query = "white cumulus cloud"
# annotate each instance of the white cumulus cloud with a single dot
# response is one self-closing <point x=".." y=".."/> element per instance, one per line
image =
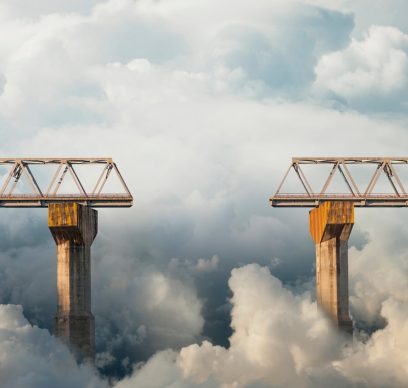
<point x="31" y="358"/>
<point x="369" y="71"/>
<point x="280" y="339"/>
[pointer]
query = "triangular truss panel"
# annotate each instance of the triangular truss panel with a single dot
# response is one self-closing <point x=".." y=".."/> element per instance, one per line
<point x="293" y="183"/>
<point x="361" y="174"/>
<point x="111" y="182"/>
<point x="18" y="180"/>
<point x="367" y="181"/>
<point x="401" y="172"/>
<point x="383" y="186"/>
<point x="89" y="175"/>
<point x="35" y="182"/>
<point x="338" y="182"/>
<point x="315" y="177"/>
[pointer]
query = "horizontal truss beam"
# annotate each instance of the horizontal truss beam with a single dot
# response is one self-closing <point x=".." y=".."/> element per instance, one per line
<point x="361" y="197"/>
<point x="349" y="160"/>
<point x="20" y="167"/>
<point x="105" y="200"/>
<point x="301" y="200"/>
<point x="56" y="160"/>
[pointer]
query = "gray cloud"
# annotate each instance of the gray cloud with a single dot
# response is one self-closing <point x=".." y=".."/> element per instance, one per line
<point x="386" y="14"/>
<point x="21" y="9"/>
<point x="2" y="83"/>
<point x="270" y="55"/>
<point x="280" y="339"/>
<point x="30" y="357"/>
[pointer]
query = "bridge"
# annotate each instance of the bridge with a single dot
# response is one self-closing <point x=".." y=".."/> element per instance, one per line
<point x="365" y="196"/>
<point x="331" y="218"/>
<point x="40" y="196"/>
<point x="73" y="224"/>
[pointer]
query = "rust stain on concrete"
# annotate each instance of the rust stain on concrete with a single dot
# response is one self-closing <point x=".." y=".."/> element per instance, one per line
<point x="325" y="219"/>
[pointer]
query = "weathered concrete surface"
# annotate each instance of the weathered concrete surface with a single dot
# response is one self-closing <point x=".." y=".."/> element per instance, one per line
<point x="74" y="228"/>
<point x="330" y="226"/>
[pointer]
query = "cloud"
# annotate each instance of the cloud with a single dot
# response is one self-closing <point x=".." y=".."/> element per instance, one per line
<point x="20" y="9"/>
<point x="208" y="265"/>
<point x="381" y="361"/>
<point x="27" y="264"/>
<point x="51" y="63"/>
<point x="378" y="271"/>
<point x="159" y="371"/>
<point x="266" y="56"/>
<point x="280" y="339"/>
<point x="369" y="12"/>
<point x="140" y="308"/>
<point x="30" y="357"/>
<point x="371" y="73"/>
<point x="2" y="83"/>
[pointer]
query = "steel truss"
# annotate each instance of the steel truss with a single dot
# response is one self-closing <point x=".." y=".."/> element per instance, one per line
<point x="19" y="167"/>
<point x="361" y="198"/>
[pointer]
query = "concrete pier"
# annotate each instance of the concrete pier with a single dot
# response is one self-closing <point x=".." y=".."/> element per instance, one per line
<point x="74" y="228"/>
<point x="330" y="226"/>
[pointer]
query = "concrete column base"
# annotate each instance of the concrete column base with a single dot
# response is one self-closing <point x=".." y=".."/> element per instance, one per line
<point x="74" y="228"/>
<point x="330" y="226"/>
<point x="78" y="332"/>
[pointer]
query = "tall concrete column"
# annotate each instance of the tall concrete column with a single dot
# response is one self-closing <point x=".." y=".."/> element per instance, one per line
<point x="330" y="226"/>
<point x="74" y="228"/>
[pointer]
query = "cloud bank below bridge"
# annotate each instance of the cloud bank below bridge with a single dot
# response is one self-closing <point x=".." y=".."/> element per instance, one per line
<point x="279" y="339"/>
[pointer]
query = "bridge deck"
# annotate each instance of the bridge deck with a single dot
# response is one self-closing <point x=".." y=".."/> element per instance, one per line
<point x="304" y="200"/>
<point x="29" y="200"/>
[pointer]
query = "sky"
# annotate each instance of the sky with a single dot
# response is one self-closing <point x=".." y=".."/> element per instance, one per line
<point x="202" y="105"/>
